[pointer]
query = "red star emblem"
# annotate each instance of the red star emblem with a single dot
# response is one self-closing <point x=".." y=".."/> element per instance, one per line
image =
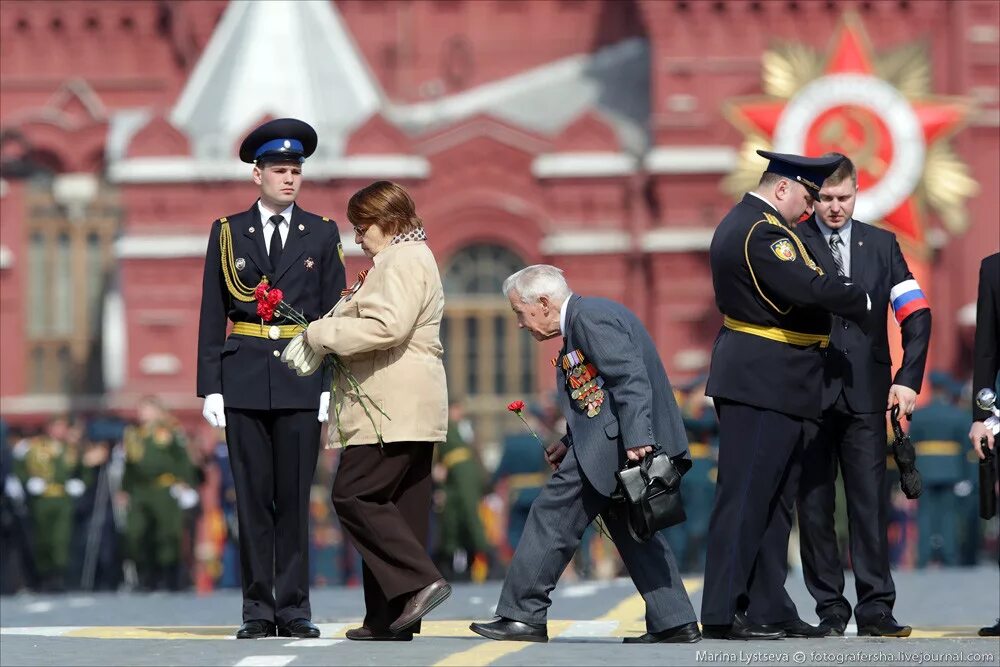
<point x="890" y="129"/>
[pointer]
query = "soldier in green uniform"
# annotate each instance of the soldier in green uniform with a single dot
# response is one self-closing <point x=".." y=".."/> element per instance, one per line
<point x="461" y="527"/>
<point x="937" y="431"/>
<point x="157" y="480"/>
<point x="48" y="468"/>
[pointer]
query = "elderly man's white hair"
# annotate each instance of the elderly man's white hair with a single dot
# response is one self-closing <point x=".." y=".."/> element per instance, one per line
<point x="536" y="281"/>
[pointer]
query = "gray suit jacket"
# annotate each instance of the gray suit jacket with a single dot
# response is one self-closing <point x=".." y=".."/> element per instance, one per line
<point x="639" y="407"/>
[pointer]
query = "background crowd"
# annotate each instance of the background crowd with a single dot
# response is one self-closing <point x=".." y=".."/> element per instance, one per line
<point x="92" y="502"/>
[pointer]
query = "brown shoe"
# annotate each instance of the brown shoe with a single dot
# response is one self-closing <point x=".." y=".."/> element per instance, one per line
<point x="367" y="634"/>
<point x="421" y="604"/>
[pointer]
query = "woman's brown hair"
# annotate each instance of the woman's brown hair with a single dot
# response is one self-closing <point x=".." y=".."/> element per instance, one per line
<point x="385" y="204"/>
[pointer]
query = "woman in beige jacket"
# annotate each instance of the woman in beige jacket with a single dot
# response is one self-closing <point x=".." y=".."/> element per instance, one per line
<point x="386" y="329"/>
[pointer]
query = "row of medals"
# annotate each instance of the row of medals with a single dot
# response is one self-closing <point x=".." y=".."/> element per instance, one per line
<point x="584" y="383"/>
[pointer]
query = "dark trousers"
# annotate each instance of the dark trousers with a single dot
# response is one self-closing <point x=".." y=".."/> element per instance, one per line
<point x="757" y="450"/>
<point x="273" y="456"/>
<point x="858" y="443"/>
<point x="383" y="498"/>
<point x="559" y="516"/>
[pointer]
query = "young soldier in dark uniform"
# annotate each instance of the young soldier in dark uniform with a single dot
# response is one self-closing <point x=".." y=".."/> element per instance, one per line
<point x="271" y="415"/>
<point x="765" y="377"/>
<point x="851" y="432"/>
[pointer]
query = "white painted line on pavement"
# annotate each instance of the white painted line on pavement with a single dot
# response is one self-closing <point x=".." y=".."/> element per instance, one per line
<point x="851" y="629"/>
<point x="590" y="629"/>
<point x="265" y="661"/>
<point x="580" y="590"/>
<point x="76" y="603"/>
<point x="312" y="643"/>
<point x="38" y="607"/>
<point x="55" y="631"/>
<point x="330" y="629"/>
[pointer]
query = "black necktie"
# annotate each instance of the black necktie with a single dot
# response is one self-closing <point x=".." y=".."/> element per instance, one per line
<point x="274" y="247"/>
<point x="838" y="259"/>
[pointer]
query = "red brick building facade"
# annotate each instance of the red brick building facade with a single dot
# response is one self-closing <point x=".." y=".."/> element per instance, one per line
<point x="588" y="134"/>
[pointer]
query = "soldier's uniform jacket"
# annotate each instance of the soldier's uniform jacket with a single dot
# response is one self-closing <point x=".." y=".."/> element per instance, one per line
<point x="776" y="304"/>
<point x="156" y="457"/>
<point x="245" y="367"/>
<point x="938" y="432"/>
<point x="53" y="462"/>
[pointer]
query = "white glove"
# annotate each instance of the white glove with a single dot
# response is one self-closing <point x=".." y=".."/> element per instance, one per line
<point x="12" y="487"/>
<point x="300" y="357"/>
<point x="188" y="498"/>
<point x="214" y="410"/>
<point x="324" y="407"/>
<point x="75" y="487"/>
<point x="36" y="486"/>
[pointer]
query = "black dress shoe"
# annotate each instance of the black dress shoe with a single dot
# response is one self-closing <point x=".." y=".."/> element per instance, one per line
<point x="715" y="631"/>
<point x="991" y="631"/>
<point x="421" y="604"/>
<point x="302" y="628"/>
<point x="835" y="624"/>
<point x="884" y="626"/>
<point x="798" y="628"/>
<point x="255" y="630"/>
<point x="681" y="634"/>
<point x="509" y="630"/>
<point x="743" y="629"/>
<point x="366" y="634"/>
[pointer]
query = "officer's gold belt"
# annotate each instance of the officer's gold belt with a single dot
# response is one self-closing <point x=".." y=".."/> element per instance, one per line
<point x="699" y="450"/>
<point x="166" y="479"/>
<point x="938" y="448"/>
<point x="455" y="457"/>
<point x="54" y="491"/>
<point x="776" y="333"/>
<point x="526" y="480"/>
<point x="272" y="331"/>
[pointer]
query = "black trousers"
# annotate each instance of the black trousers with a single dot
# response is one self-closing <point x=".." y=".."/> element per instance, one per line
<point x="858" y="442"/>
<point x="757" y="450"/>
<point x="273" y="456"/>
<point x="383" y="499"/>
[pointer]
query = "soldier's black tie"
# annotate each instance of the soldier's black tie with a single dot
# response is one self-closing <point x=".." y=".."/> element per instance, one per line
<point x="274" y="248"/>
<point x="838" y="259"/>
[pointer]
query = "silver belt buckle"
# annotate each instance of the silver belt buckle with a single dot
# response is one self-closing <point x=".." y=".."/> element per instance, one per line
<point x="274" y="333"/>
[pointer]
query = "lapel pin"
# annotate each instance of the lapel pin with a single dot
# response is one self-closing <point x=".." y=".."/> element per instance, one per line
<point x="251" y="230"/>
<point x="309" y="263"/>
<point x="240" y="264"/>
<point x="861" y="243"/>
<point x="302" y="227"/>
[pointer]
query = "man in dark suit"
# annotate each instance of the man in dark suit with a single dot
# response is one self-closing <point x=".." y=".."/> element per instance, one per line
<point x="986" y="366"/>
<point x="765" y="378"/>
<point x="618" y="404"/>
<point x="857" y="391"/>
<point x="271" y="415"/>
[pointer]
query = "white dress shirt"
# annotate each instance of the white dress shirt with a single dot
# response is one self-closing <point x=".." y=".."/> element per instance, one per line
<point x="265" y="215"/>
<point x="562" y="315"/>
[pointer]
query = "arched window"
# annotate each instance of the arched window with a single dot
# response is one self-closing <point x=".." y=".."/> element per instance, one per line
<point x="489" y="361"/>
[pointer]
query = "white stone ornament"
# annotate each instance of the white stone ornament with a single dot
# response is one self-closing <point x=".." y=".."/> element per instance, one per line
<point x="240" y="264"/>
<point x="274" y="333"/>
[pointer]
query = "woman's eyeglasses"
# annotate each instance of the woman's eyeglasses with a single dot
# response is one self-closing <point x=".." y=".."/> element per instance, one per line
<point x="360" y="230"/>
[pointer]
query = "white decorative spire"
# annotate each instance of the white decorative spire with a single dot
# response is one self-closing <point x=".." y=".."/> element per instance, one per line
<point x="269" y="57"/>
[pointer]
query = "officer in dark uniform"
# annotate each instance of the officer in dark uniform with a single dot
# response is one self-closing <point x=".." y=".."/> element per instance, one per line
<point x="524" y="469"/>
<point x="766" y="378"/>
<point x="937" y="432"/>
<point x="271" y="415"/>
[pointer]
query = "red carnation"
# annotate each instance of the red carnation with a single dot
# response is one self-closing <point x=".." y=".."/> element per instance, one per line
<point x="516" y="406"/>
<point x="260" y="292"/>
<point x="265" y="311"/>
<point x="274" y="297"/>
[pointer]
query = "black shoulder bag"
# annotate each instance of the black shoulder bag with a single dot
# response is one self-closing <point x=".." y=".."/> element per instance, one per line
<point x="649" y="493"/>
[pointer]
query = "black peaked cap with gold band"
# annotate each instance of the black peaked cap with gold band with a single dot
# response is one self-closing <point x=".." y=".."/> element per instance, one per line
<point x="809" y="171"/>
<point x="282" y="139"/>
